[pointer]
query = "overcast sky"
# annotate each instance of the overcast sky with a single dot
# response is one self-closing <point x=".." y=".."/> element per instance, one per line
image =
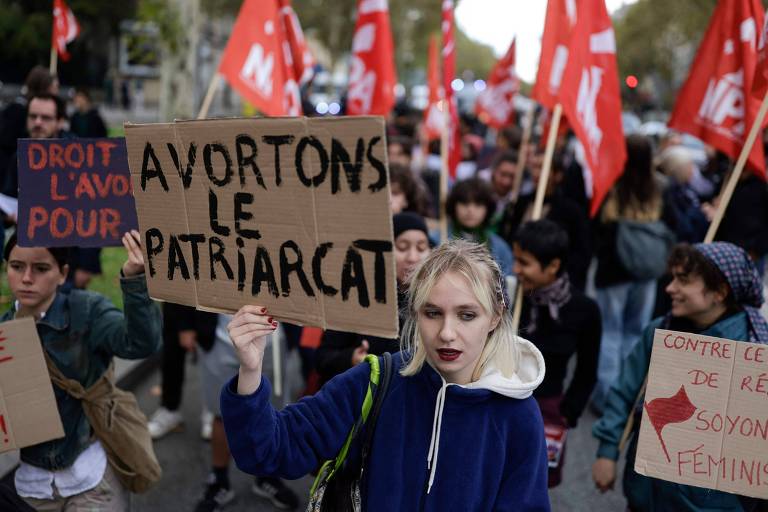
<point x="496" y="22"/>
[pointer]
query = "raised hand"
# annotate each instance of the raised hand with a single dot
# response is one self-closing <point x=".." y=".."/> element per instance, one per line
<point x="134" y="265"/>
<point x="248" y="330"/>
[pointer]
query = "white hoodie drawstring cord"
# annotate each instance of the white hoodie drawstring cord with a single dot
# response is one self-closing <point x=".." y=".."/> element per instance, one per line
<point x="434" y="444"/>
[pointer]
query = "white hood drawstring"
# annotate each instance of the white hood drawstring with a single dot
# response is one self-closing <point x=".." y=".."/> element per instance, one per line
<point x="520" y="385"/>
<point x="437" y="422"/>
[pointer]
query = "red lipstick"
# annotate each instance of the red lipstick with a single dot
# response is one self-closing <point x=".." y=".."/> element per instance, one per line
<point x="448" y="354"/>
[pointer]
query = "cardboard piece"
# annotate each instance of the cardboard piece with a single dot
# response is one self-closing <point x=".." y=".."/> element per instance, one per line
<point x="74" y="192"/>
<point x="28" y="411"/>
<point x="705" y="415"/>
<point x="288" y="213"/>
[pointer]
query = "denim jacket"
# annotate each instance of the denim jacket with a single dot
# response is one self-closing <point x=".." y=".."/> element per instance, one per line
<point x="81" y="332"/>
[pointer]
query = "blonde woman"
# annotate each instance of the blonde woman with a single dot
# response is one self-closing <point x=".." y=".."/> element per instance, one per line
<point x="458" y="428"/>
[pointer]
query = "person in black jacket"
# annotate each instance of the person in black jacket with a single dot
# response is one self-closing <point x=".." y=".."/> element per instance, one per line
<point x="86" y="120"/>
<point x="562" y="322"/>
<point x="340" y="351"/>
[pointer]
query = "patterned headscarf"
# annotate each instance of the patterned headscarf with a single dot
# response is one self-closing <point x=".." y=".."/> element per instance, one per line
<point x="742" y="276"/>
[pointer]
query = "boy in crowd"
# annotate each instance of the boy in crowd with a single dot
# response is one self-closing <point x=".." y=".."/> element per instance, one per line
<point x="715" y="291"/>
<point x="562" y="322"/>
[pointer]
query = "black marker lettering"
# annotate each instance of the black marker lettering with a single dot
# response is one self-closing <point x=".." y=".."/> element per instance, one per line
<point x="263" y="271"/>
<point x="152" y="248"/>
<point x="242" y="160"/>
<point x="352" y="274"/>
<point x="277" y="141"/>
<point x="379" y="275"/>
<point x="156" y="171"/>
<point x="297" y="266"/>
<point x="218" y="256"/>
<point x="317" y="269"/>
<point x="321" y="153"/>
<point x="207" y="160"/>
<point x="339" y="158"/>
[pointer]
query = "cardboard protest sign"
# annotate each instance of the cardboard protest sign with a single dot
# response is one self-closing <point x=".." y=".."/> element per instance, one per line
<point x="289" y="213"/>
<point x="28" y="411"/>
<point x="705" y="420"/>
<point x="74" y="192"/>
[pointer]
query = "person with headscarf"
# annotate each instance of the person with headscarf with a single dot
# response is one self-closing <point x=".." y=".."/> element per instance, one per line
<point x="715" y="291"/>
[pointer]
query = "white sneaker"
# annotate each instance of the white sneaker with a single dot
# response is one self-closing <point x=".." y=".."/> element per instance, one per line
<point x="206" y="425"/>
<point x="163" y="422"/>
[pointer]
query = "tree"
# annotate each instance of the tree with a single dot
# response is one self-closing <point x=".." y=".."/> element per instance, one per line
<point x="656" y="41"/>
<point x="25" y="32"/>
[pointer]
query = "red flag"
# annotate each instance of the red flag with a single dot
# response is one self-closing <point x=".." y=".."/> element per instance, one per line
<point x="495" y="105"/>
<point x="716" y="103"/>
<point x="449" y="73"/>
<point x="254" y="60"/>
<point x="372" y="74"/>
<point x="65" y="28"/>
<point x="298" y="56"/>
<point x="558" y="25"/>
<point x="589" y="94"/>
<point x="760" y="84"/>
<point x="434" y="119"/>
<point x="663" y="411"/>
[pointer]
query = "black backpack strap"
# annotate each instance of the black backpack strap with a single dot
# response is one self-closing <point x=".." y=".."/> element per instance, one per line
<point x="381" y="391"/>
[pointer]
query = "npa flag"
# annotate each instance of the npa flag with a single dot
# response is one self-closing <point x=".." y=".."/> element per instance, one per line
<point x="65" y="28"/>
<point x="434" y="119"/>
<point x="495" y="105"/>
<point x="716" y="103"/>
<point x="254" y="60"/>
<point x="558" y="25"/>
<point x="297" y="53"/>
<point x="449" y="73"/>
<point x="589" y="94"/>
<point x="372" y="74"/>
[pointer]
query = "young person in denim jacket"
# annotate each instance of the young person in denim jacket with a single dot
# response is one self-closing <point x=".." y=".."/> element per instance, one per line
<point x="81" y="331"/>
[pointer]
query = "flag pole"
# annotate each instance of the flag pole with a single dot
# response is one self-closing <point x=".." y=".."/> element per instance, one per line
<point x="444" y="171"/>
<point x="212" y="87"/>
<point x="54" y="60"/>
<point x="522" y="152"/>
<point x="725" y="198"/>
<point x="538" y="204"/>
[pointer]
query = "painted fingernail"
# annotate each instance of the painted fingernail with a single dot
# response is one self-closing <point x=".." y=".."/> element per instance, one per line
<point x="263" y="310"/>
<point x="274" y="325"/>
<point x="270" y="320"/>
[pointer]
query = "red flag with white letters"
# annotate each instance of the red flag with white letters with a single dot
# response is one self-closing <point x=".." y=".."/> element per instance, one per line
<point x="298" y="56"/>
<point x="716" y="103"/>
<point x="254" y="61"/>
<point x="65" y="28"/>
<point x="449" y="74"/>
<point x="495" y="105"/>
<point x="434" y="119"/>
<point x="558" y="25"/>
<point x="372" y="73"/>
<point x="589" y="94"/>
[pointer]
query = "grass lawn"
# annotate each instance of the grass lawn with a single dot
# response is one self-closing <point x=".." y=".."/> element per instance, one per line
<point x="108" y="283"/>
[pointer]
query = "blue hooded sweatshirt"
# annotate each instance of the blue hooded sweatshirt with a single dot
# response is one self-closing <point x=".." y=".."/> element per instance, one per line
<point x="436" y="447"/>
